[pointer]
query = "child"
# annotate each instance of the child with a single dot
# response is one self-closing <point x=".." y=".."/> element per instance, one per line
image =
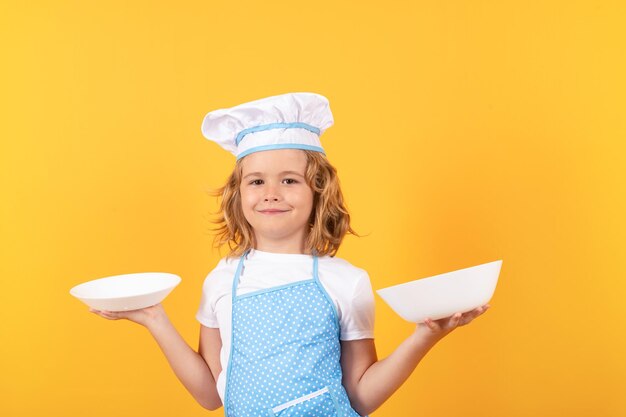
<point x="286" y="327"/>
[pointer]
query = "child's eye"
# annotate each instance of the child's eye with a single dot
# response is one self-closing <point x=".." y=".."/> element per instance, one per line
<point x="290" y="181"/>
<point x="256" y="182"/>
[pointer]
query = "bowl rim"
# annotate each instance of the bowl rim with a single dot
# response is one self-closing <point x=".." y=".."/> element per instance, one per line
<point x="177" y="280"/>
<point x="432" y="277"/>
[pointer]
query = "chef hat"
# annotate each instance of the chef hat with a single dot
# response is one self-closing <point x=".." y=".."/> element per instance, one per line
<point x="286" y="121"/>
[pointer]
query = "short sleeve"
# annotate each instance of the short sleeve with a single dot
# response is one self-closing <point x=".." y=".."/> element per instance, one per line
<point x="357" y="319"/>
<point x="206" y="314"/>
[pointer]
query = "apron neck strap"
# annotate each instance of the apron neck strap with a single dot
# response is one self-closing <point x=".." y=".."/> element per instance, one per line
<point x="315" y="277"/>
<point x="237" y="274"/>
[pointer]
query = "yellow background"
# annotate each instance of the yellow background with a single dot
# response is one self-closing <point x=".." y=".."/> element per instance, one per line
<point x="465" y="132"/>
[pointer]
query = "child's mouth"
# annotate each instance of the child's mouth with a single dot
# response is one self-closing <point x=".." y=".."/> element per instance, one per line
<point x="272" y="212"/>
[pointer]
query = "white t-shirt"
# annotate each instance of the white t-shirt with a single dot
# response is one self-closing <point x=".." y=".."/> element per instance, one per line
<point x="348" y="287"/>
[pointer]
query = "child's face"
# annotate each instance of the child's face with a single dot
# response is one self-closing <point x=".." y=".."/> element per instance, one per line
<point x="275" y="197"/>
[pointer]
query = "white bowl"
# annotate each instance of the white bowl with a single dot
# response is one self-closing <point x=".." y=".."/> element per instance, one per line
<point x="126" y="292"/>
<point x="443" y="295"/>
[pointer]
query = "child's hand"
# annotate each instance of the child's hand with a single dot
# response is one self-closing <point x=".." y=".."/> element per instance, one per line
<point x="442" y="327"/>
<point x="145" y="316"/>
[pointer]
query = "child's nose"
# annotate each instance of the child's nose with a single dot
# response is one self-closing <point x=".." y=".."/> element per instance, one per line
<point x="271" y="194"/>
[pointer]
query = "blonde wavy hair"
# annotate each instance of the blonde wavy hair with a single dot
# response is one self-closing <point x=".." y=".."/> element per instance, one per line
<point x="328" y="224"/>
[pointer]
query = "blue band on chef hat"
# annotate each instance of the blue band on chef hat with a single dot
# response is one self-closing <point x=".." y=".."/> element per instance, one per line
<point x="296" y="125"/>
<point x="280" y="146"/>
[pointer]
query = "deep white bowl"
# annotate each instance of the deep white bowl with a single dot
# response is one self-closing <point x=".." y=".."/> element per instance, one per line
<point x="443" y="295"/>
<point x="126" y="292"/>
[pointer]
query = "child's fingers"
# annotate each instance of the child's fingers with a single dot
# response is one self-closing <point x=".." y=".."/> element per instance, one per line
<point x="481" y="310"/>
<point x="456" y="320"/>
<point x="111" y="315"/>
<point x="468" y="317"/>
<point x="431" y="324"/>
<point x="471" y="315"/>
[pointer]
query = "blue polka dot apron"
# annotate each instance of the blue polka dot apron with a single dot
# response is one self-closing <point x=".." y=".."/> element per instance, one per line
<point x="285" y="351"/>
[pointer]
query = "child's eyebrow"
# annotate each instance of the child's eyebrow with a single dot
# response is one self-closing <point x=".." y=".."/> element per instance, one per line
<point x="259" y="174"/>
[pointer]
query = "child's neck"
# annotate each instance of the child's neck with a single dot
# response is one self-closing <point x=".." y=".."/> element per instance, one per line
<point x="280" y="246"/>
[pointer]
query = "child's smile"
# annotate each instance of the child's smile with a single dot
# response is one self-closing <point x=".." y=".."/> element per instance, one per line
<point x="272" y="212"/>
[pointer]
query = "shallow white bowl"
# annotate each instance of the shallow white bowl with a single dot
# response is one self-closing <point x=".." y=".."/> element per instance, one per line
<point x="126" y="292"/>
<point x="443" y="295"/>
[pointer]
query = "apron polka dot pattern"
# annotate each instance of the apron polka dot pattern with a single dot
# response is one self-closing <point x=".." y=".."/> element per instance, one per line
<point x="285" y="353"/>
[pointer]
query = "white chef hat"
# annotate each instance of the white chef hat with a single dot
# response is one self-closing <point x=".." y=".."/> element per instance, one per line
<point x="286" y="121"/>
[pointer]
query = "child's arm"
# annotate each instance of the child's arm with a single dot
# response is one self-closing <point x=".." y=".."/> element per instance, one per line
<point x="191" y="367"/>
<point x="370" y="382"/>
